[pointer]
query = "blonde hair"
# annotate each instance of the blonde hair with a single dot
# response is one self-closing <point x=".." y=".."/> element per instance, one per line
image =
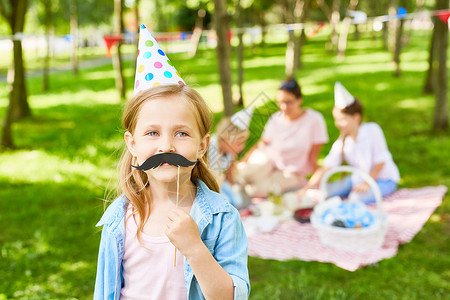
<point x="225" y="128"/>
<point x="133" y="182"/>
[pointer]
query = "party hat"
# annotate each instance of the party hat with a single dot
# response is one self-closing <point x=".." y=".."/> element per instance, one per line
<point x="342" y="97"/>
<point x="242" y="118"/>
<point x="153" y="68"/>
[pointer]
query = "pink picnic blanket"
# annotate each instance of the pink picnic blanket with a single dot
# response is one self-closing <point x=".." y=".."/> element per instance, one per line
<point x="407" y="211"/>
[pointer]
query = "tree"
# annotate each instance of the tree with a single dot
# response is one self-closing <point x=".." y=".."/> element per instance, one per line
<point x="302" y="10"/>
<point x="428" y="86"/>
<point x="342" y="43"/>
<point x="398" y="45"/>
<point x="18" y="107"/>
<point x="440" y="120"/>
<point x="117" y="57"/>
<point x="48" y="24"/>
<point x="74" y="35"/>
<point x="293" y="12"/>
<point x="397" y="26"/>
<point x="197" y="34"/>
<point x="392" y="24"/>
<point x="240" y="50"/>
<point x="373" y="11"/>
<point x="221" y="24"/>
<point x="333" y="15"/>
<point x="138" y="22"/>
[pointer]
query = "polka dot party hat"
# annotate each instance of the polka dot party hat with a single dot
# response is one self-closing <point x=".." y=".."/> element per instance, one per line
<point x="342" y="97"/>
<point x="153" y="67"/>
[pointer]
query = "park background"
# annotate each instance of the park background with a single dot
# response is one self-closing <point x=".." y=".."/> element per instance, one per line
<point x="63" y="156"/>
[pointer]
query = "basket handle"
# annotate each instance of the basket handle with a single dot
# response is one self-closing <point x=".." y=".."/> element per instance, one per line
<point x="350" y="169"/>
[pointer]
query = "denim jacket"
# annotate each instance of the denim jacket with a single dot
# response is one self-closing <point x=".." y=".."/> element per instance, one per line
<point x="220" y="229"/>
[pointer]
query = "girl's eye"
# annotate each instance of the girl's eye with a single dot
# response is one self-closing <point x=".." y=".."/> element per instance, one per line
<point x="152" y="133"/>
<point x="182" y="134"/>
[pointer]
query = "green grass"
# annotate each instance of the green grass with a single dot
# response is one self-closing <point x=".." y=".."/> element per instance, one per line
<point x="52" y="185"/>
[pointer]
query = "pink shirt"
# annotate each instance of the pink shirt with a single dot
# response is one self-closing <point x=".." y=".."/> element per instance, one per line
<point x="148" y="271"/>
<point x="290" y="142"/>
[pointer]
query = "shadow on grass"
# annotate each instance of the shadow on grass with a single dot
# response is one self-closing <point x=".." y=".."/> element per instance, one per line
<point x="51" y="251"/>
<point x="73" y="131"/>
<point x="47" y="235"/>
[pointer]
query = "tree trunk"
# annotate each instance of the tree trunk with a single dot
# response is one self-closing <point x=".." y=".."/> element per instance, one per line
<point x="398" y="47"/>
<point x="290" y="56"/>
<point x="373" y="11"/>
<point x="440" y="121"/>
<point x="300" y="13"/>
<point x="19" y="90"/>
<point x="342" y="45"/>
<point x="18" y="104"/>
<point x="138" y="23"/>
<point x="223" y="54"/>
<point x="428" y="86"/>
<point x="262" y="23"/>
<point x="117" y="57"/>
<point x="288" y="16"/>
<point x="419" y="5"/>
<point x="356" y="34"/>
<point x="48" y="24"/>
<point x="392" y="24"/>
<point x="21" y="109"/>
<point x="197" y="34"/>
<point x="74" y="34"/>
<point x="46" y="63"/>
<point x="384" y="36"/>
<point x="7" y="140"/>
<point x="333" y="17"/>
<point x="161" y="24"/>
<point x="334" y="20"/>
<point x="240" y="52"/>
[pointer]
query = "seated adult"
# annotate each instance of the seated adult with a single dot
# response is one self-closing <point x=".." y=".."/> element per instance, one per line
<point x="288" y="148"/>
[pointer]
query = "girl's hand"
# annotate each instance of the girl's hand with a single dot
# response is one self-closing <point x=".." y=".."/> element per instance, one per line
<point x="182" y="232"/>
<point x="229" y="175"/>
<point x="301" y="192"/>
<point x="361" y="188"/>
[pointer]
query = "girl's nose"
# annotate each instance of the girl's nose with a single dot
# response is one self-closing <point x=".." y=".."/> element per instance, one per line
<point x="166" y="145"/>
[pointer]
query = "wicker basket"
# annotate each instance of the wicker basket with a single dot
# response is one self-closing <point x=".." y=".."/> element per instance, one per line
<point x="357" y="239"/>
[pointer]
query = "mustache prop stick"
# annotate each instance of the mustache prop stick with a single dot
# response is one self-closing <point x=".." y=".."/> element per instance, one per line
<point x="159" y="159"/>
<point x="173" y="159"/>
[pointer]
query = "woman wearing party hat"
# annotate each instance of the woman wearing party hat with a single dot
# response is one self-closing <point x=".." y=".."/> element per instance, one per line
<point x="168" y="234"/>
<point x="361" y="145"/>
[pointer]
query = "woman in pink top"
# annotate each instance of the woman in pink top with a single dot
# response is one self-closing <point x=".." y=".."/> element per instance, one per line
<point x="288" y="149"/>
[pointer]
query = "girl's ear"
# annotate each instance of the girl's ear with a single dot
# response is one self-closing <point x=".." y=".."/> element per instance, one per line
<point x="129" y="141"/>
<point x="204" y="144"/>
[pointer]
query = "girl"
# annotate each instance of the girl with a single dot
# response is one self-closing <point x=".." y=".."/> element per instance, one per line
<point x="170" y="206"/>
<point x="226" y="144"/>
<point x="289" y="146"/>
<point x="361" y="145"/>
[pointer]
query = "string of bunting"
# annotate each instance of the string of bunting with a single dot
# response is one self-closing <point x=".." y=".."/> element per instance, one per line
<point x="358" y="17"/>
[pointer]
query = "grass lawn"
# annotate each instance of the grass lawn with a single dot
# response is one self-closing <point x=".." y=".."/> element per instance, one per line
<point x="52" y="185"/>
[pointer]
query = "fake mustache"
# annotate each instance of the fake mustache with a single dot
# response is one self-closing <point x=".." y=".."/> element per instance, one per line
<point x="157" y="160"/>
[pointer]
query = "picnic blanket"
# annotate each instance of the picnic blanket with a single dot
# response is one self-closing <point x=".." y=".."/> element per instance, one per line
<point x="407" y="211"/>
